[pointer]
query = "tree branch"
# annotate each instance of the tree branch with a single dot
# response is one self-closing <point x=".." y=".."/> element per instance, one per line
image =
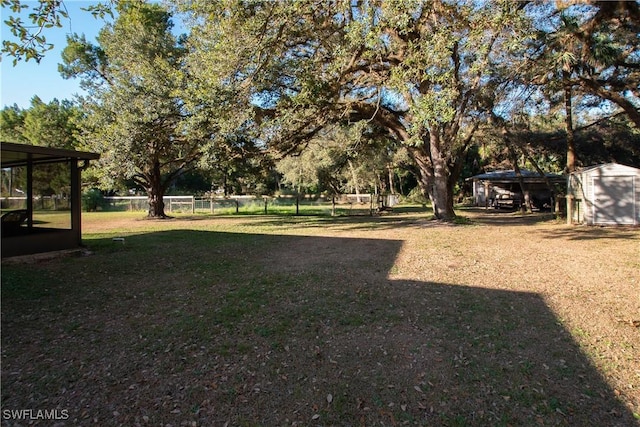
<point x="593" y="87"/>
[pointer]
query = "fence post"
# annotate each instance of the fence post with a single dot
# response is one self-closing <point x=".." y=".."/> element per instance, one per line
<point x="370" y="204"/>
<point x="265" y="205"/>
<point x="211" y="205"/>
<point x="297" y="204"/>
<point x="237" y="205"/>
<point x="193" y="205"/>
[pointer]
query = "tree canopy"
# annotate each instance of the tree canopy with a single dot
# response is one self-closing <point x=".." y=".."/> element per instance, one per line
<point x="437" y="78"/>
<point x="134" y="114"/>
<point x="51" y="125"/>
<point x="424" y="71"/>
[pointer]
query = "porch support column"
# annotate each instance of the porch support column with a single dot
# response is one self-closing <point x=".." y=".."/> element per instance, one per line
<point x="29" y="191"/>
<point x="76" y="200"/>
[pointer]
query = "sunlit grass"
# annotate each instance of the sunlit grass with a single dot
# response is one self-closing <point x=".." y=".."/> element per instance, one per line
<point x="246" y="315"/>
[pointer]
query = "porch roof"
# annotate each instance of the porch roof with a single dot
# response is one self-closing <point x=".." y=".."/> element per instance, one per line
<point x="20" y="154"/>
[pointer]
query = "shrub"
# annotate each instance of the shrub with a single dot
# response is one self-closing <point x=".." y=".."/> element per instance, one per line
<point x="416" y="196"/>
<point x="92" y="199"/>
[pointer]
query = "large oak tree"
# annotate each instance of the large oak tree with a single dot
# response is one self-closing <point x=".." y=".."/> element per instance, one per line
<point x="135" y="112"/>
<point x="425" y="71"/>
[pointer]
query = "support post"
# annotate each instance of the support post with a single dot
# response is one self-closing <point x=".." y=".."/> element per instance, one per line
<point x="570" y="205"/>
<point x="30" y="190"/>
<point x="486" y="195"/>
<point x="76" y="201"/>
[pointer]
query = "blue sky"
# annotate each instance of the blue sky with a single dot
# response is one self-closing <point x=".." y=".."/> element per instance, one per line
<point x="21" y="83"/>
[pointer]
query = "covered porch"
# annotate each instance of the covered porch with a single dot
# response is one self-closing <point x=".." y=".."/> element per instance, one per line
<point x="41" y="198"/>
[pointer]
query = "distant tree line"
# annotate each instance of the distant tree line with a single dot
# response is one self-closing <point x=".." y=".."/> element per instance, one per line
<point x="378" y="96"/>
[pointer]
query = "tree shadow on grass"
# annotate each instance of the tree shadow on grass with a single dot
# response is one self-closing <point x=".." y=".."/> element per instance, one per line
<point x="406" y="217"/>
<point x="505" y="217"/>
<point x="587" y="233"/>
<point x="213" y="328"/>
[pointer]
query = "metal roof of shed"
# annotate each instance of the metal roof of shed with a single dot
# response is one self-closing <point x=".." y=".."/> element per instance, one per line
<point x="511" y="176"/>
<point x="619" y="166"/>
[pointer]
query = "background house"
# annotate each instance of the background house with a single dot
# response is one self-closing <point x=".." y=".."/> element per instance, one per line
<point x="606" y="194"/>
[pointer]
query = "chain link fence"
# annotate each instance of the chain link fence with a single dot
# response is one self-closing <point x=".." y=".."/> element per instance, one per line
<point x="345" y="204"/>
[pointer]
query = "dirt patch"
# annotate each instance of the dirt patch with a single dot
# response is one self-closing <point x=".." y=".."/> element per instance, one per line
<point x="392" y="320"/>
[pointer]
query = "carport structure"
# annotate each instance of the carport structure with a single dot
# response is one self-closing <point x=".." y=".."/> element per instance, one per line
<point x="502" y="189"/>
<point x="41" y="198"/>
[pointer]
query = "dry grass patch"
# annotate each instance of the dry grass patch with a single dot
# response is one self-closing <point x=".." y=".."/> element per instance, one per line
<point x="393" y="320"/>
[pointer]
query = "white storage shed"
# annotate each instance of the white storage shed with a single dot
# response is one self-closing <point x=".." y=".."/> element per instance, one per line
<point x="606" y="194"/>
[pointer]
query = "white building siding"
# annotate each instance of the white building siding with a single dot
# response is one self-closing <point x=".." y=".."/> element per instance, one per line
<point x="606" y="194"/>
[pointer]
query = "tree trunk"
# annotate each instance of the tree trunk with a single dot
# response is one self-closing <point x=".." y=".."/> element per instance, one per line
<point x="155" y="193"/>
<point x="442" y="196"/>
<point x="433" y="179"/>
<point x="568" y="120"/>
<point x="571" y="151"/>
<point x="546" y="179"/>
<point x="424" y="172"/>
<point x="354" y="177"/>
<point x="525" y="206"/>
<point x="156" y="206"/>
<point x="391" y="180"/>
<point x="442" y="193"/>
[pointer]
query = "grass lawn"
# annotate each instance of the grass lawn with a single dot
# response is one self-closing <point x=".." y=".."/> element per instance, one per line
<point x="499" y="320"/>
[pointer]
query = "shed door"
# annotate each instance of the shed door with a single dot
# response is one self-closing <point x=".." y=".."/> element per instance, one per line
<point x="614" y="201"/>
